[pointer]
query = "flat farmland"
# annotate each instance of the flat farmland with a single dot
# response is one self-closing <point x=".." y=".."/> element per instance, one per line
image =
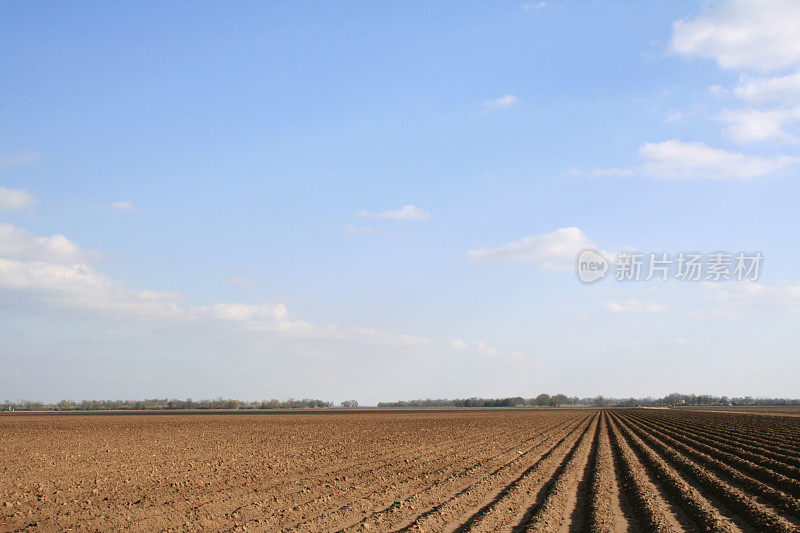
<point x="785" y="410"/>
<point x="436" y="470"/>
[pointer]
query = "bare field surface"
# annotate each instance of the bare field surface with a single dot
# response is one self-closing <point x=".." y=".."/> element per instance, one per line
<point x="783" y="410"/>
<point x="447" y="470"/>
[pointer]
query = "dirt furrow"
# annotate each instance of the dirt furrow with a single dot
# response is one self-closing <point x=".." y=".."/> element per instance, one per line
<point x="553" y="513"/>
<point x="434" y="470"/>
<point x="324" y="499"/>
<point x="733" y="466"/>
<point x="448" y="513"/>
<point x="648" y="504"/>
<point x="679" y="491"/>
<point x="262" y="496"/>
<point x="381" y="509"/>
<point x="514" y="505"/>
<point x="787" y="455"/>
<point x="604" y="513"/>
<point x="759" y="515"/>
<point x="774" y="429"/>
<point x="759" y="456"/>
<point x="242" y="503"/>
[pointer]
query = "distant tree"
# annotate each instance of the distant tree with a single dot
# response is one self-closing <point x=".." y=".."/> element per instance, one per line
<point x="543" y="400"/>
<point x="599" y="401"/>
<point x="66" y="405"/>
<point x="559" y="399"/>
<point x="32" y="405"/>
<point x="516" y="401"/>
<point x="349" y="404"/>
<point x="673" y="399"/>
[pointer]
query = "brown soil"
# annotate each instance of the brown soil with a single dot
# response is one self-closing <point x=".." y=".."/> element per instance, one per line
<point x="447" y="470"/>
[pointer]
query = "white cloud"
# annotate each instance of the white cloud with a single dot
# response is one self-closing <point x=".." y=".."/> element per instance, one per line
<point x="676" y="116"/>
<point x="747" y="125"/>
<point x="51" y="273"/>
<point x="9" y="160"/>
<point x="553" y="251"/>
<point x="122" y="205"/>
<point x="717" y="90"/>
<point x="674" y="159"/>
<point x="754" y="36"/>
<point x="504" y="102"/>
<point x="80" y="286"/>
<point x="407" y="212"/>
<point x="482" y="348"/>
<point x="258" y="316"/>
<point x="610" y="172"/>
<point x="20" y="244"/>
<point x="741" y="34"/>
<point x="744" y="35"/>
<point x="741" y="299"/>
<point x="534" y="6"/>
<point x="771" y="90"/>
<point x="457" y="344"/>
<point x="242" y="282"/>
<point x="633" y="305"/>
<point x="15" y="199"/>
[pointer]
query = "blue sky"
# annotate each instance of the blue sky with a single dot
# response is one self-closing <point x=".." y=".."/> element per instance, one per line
<point x="315" y="199"/>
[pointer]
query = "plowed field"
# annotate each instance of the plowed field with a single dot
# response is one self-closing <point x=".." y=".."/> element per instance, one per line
<point x="447" y="470"/>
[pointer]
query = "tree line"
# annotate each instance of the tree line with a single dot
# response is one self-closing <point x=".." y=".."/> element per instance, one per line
<point x="162" y="405"/>
<point x="676" y="399"/>
<point x="542" y="400"/>
<point x="556" y="400"/>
